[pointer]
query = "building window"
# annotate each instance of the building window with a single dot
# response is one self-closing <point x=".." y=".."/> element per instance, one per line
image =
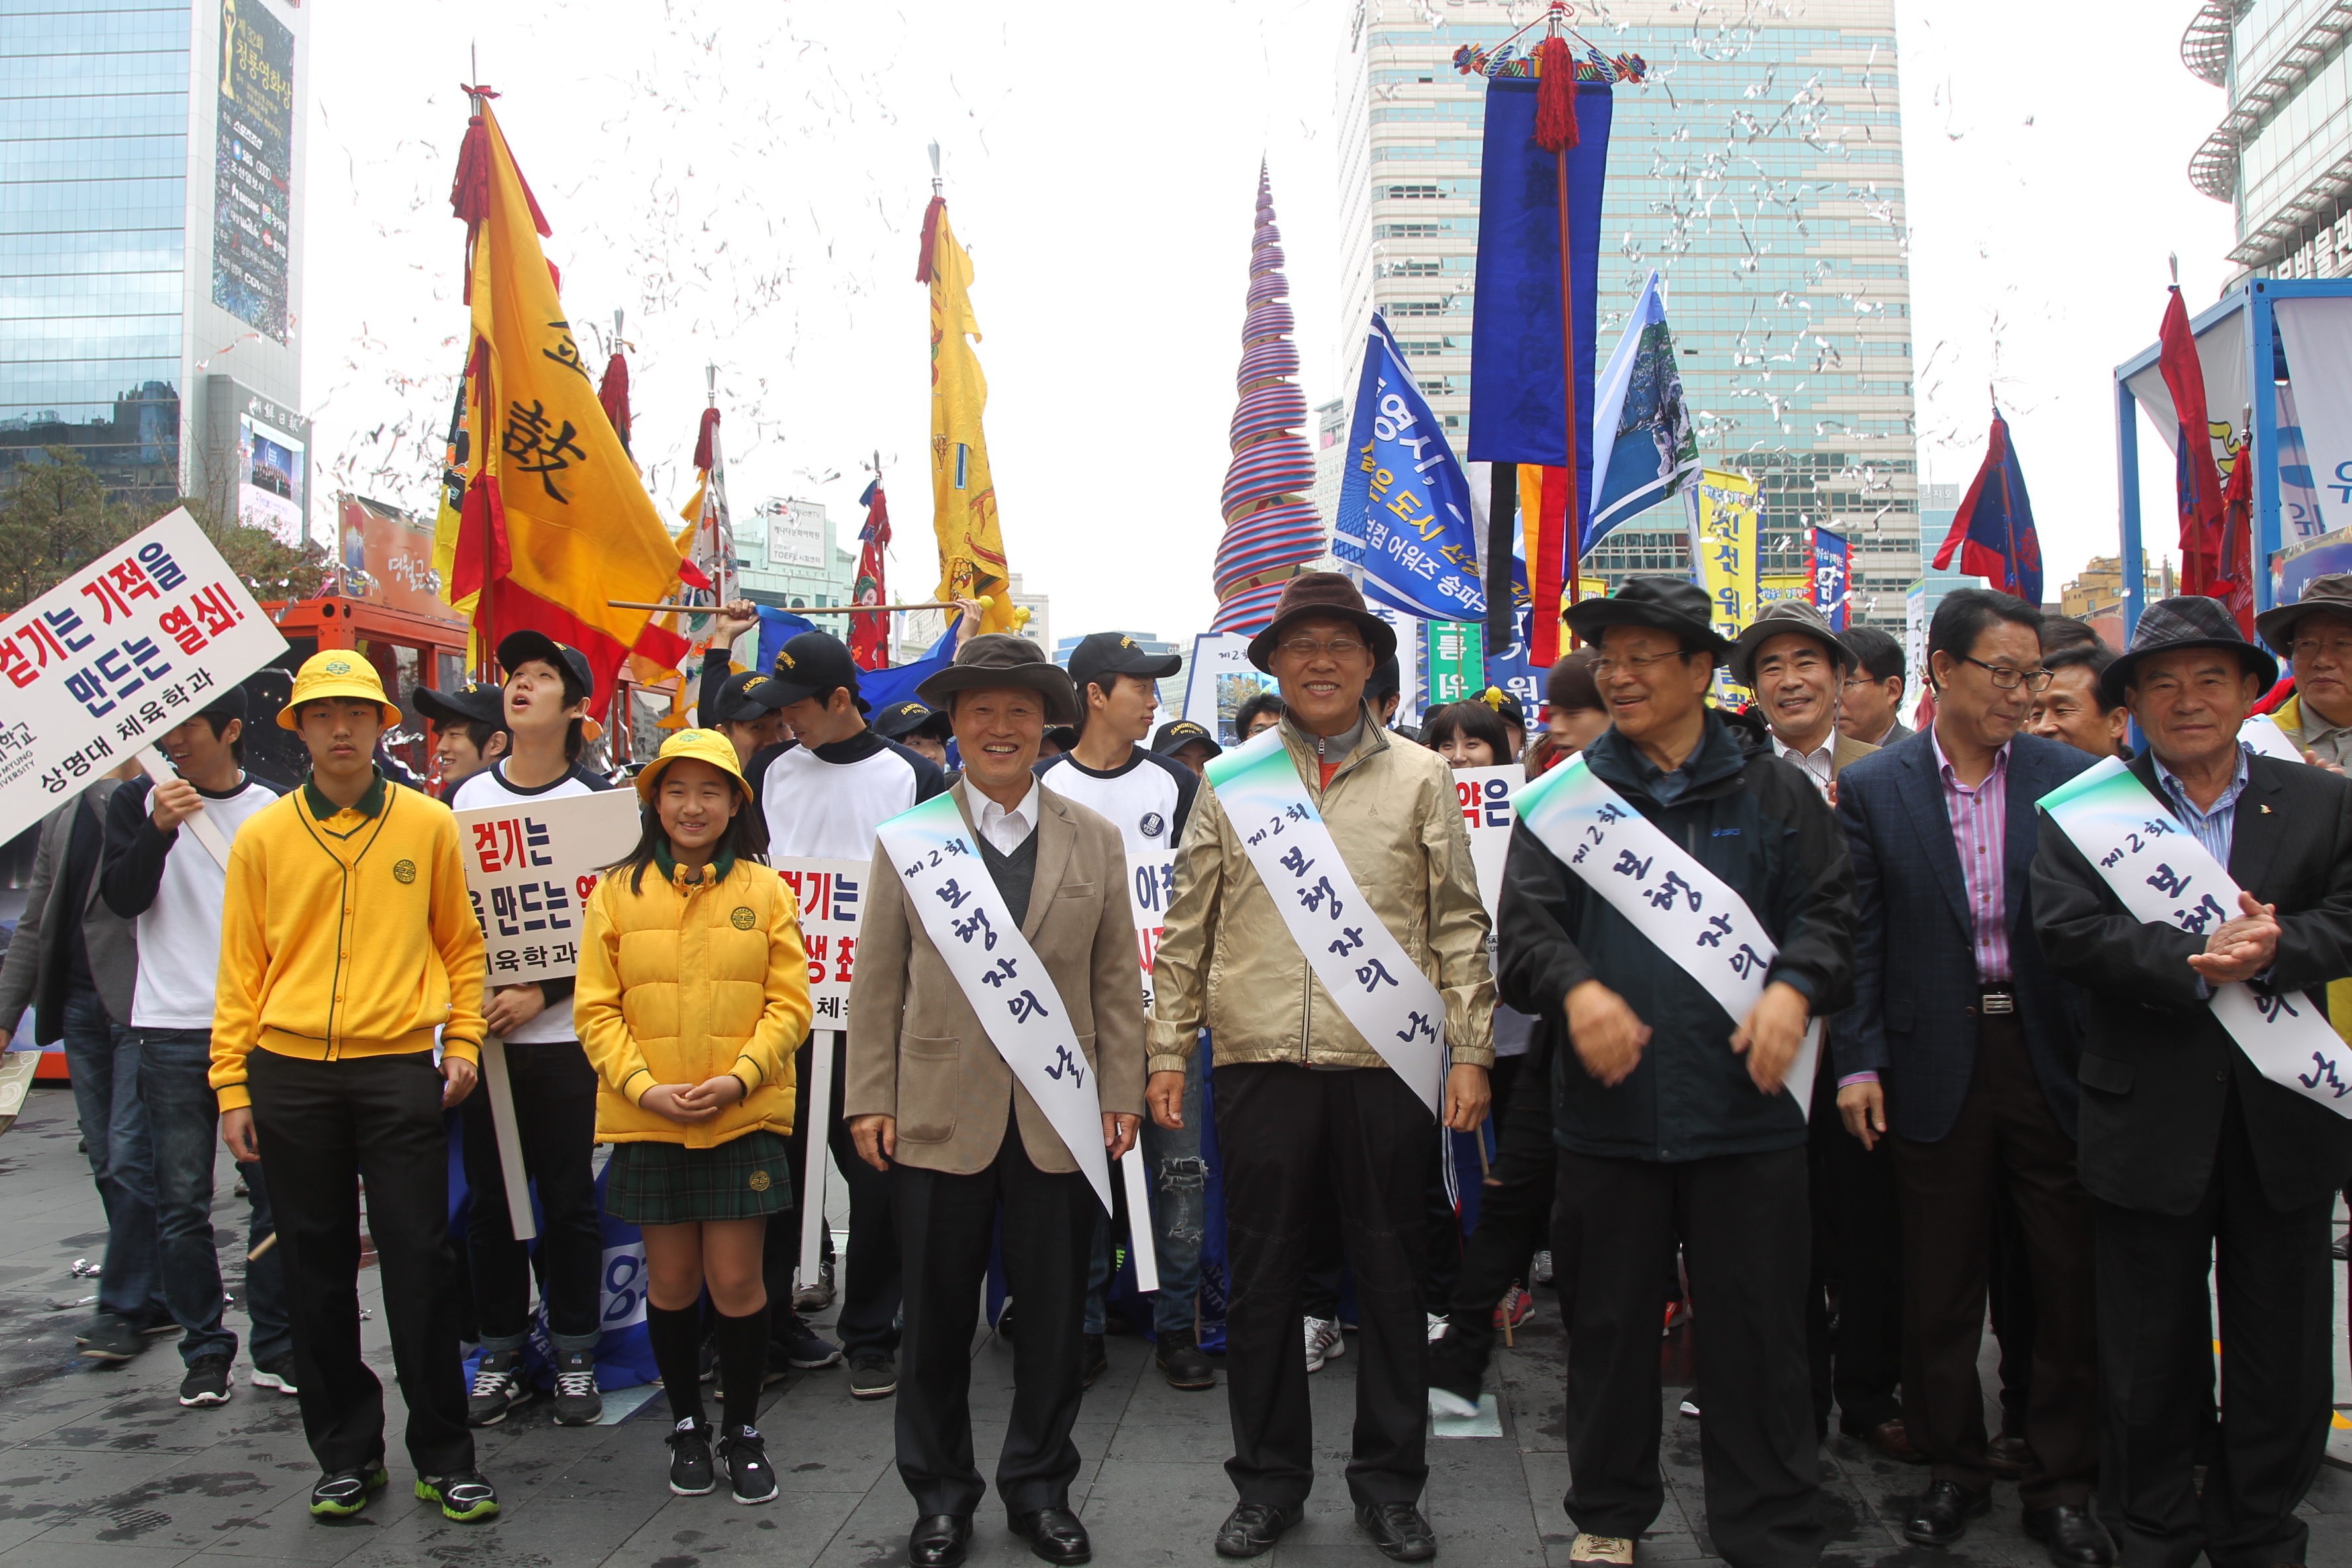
<point x="1410" y="193"/>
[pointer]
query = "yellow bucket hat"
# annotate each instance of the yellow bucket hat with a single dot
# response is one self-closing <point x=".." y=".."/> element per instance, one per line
<point x="337" y="672"/>
<point x="702" y="746"/>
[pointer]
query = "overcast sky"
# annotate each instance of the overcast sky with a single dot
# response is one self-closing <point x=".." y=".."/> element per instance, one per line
<point x="747" y="182"/>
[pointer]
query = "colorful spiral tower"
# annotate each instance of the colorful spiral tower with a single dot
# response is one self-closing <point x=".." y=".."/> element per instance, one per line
<point x="1272" y="530"/>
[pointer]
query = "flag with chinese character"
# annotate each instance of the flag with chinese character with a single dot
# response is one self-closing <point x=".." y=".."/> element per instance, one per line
<point x="555" y="520"/>
<point x="1405" y="520"/>
<point x="963" y="495"/>
<point x="1993" y="530"/>
<point x="869" y="635"/>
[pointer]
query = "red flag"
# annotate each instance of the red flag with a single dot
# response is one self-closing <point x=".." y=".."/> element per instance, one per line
<point x="2197" y="484"/>
<point x="869" y="642"/>
<point x="2235" y="585"/>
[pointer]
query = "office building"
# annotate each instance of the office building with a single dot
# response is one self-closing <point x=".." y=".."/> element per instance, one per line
<point x="787" y="558"/>
<point x="1760" y="171"/>
<point x="2282" y="156"/>
<point x="152" y="192"/>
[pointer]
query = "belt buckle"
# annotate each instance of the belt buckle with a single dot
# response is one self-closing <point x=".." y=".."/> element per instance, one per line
<point x="1997" y="1002"/>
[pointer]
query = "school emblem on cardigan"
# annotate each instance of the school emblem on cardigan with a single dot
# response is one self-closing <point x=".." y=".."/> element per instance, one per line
<point x="742" y="918"/>
<point x="759" y="1181"/>
<point x="404" y="871"/>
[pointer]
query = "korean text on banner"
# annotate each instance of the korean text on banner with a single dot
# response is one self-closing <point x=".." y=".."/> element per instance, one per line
<point x="1485" y="795"/>
<point x="1725" y="549"/>
<point x="104" y="663"/>
<point x="530" y="870"/>
<point x="832" y="895"/>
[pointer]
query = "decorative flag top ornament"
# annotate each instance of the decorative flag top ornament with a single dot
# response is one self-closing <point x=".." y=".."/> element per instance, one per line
<point x="963" y="493"/>
<point x="1993" y="530"/>
<point x="1272" y="531"/>
<point x="555" y="520"/>
<point x="613" y="392"/>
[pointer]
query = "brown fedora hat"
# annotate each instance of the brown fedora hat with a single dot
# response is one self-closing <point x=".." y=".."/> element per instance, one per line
<point x="2332" y="592"/>
<point x="1320" y="593"/>
<point x="996" y="659"/>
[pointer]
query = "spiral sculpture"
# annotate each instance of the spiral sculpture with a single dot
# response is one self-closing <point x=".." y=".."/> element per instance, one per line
<point x="1271" y="529"/>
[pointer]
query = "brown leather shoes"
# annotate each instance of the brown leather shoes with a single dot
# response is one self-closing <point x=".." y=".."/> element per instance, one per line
<point x="1889" y="1440"/>
<point x="2007" y="1458"/>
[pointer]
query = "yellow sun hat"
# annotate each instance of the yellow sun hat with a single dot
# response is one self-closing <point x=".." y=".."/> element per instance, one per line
<point x="336" y="672"/>
<point x="702" y="746"/>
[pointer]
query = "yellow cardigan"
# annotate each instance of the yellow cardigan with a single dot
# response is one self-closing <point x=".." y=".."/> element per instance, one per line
<point x="680" y="980"/>
<point x="298" y="975"/>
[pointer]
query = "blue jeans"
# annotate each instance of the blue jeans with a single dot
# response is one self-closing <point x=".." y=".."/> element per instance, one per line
<point x="1180" y="1217"/>
<point x="104" y="1063"/>
<point x="182" y="1121"/>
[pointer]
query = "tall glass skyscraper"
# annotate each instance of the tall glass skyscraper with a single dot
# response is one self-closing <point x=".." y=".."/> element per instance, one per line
<point x="151" y="194"/>
<point x="1760" y="171"/>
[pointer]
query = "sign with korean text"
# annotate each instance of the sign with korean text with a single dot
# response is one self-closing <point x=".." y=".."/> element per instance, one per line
<point x="1485" y="795"/>
<point x="530" y="870"/>
<point x="1405" y="518"/>
<point x="128" y="648"/>
<point x="1724" y="549"/>
<point x="1457" y="661"/>
<point x="832" y="895"/>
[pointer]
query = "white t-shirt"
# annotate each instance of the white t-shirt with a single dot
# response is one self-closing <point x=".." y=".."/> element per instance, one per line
<point x="1148" y="798"/>
<point x="180" y="932"/>
<point x="489" y="788"/>
<point x="830" y="806"/>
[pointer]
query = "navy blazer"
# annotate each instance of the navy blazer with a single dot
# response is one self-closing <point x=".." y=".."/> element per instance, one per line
<point x="1914" y="1020"/>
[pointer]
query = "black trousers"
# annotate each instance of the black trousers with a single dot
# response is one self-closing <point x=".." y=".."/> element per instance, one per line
<point x="1743" y="1222"/>
<point x="1857" y="1255"/>
<point x="1282" y="1131"/>
<point x="2155" y="1327"/>
<point x="945" y="1224"/>
<point x="2009" y="1284"/>
<point x="323" y="1128"/>
<point x="2004" y="1140"/>
<point x="555" y="1121"/>
<point x="869" y="1323"/>
<point x="1515" y="1207"/>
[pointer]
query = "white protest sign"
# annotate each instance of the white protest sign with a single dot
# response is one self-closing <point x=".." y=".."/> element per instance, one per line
<point x="128" y="648"/>
<point x="832" y="895"/>
<point x="530" y="870"/>
<point x="1219" y="679"/>
<point x="1484" y="795"/>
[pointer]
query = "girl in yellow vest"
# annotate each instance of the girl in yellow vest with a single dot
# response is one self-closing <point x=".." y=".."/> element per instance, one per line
<point x="692" y="998"/>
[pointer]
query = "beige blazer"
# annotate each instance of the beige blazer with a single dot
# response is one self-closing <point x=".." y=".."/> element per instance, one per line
<point x="917" y="1050"/>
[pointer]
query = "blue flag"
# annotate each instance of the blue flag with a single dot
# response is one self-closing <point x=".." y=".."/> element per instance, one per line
<point x="1643" y="448"/>
<point x="1832" y="578"/>
<point x="1404" y="520"/>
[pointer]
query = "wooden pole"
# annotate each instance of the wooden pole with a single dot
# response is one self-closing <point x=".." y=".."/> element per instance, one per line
<point x="825" y="610"/>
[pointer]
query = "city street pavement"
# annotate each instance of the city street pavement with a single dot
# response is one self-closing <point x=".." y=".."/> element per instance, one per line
<point x="100" y="1466"/>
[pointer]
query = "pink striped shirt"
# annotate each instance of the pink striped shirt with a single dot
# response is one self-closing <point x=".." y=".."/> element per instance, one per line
<point x="1979" y="817"/>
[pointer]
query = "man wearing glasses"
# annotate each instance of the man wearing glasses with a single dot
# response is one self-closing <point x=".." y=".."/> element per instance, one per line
<point x="2316" y="633"/>
<point x="1959" y="1052"/>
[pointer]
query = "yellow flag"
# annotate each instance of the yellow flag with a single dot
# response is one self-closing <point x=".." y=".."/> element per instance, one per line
<point x="963" y="495"/>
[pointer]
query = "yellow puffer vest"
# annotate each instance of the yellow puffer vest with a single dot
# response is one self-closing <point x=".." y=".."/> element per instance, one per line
<point x="680" y="981"/>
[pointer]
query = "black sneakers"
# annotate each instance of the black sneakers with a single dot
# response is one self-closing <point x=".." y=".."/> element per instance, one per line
<point x="346" y="1492"/>
<point x="577" y="1402"/>
<point x="745" y="1454"/>
<point x="690" y="1474"/>
<point x="1182" y="1363"/>
<point x="499" y="1388"/>
<point x="207" y="1383"/>
<point x="463" y="1495"/>
<point x="276" y="1372"/>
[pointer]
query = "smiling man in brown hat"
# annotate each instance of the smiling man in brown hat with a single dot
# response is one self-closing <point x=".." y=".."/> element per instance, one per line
<point x="1326" y="882"/>
<point x="1794" y="663"/>
<point x="2315" y="634"/>
<point x="995" y="980"/>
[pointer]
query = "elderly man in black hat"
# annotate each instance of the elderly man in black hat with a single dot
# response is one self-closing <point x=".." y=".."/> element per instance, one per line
<point x="1794" y="663"/>
<point x="1326" y="883"/>
<point x="2189" y="1149"/>
<point x="1675" y="1116"/>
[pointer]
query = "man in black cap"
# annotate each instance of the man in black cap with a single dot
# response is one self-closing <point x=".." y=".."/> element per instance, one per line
<point x="1673" y="1117"/>
<point x="923" y="730"/>
<point x="1183" y="740"/>
<point x="547" y="694"/>
<point x="469" y="730"/>
<point x="175" y="890"/>
<point x="1148" y="798"/>
<point x="2189" y="1149"/>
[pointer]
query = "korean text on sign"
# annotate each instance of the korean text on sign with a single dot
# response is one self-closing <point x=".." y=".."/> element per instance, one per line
<point x="832" y="895"/>
<point x="528" y="872"/>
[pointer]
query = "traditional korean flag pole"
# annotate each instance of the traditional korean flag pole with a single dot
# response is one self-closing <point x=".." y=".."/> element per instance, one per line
<point x="832" y="896"/>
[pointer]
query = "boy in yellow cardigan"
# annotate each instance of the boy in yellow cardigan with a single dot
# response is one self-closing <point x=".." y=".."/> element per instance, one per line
<point x="323" y="1061"/>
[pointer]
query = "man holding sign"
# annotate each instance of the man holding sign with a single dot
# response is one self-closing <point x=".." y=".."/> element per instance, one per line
<point x="2202" y="895"/>
<point x="997" y="980"/>
<point x="1685" y="906"/>
<point x="1350" y="1010"/>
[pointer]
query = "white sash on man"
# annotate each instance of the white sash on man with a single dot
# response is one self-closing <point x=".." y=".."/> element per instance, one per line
<point x="2165" y="877"/>
<point x="1350" y="948"/>
<point x="1001" y="974"/>
<point x="1689" y="913"/>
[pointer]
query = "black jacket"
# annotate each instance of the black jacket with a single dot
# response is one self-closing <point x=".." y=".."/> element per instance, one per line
<point x="2156" y="1067"/>
<point x="1758" y="823"/>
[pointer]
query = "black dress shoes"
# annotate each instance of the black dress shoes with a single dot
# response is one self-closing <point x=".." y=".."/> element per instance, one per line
<point x="1397" y="1530"/>
<point x="1253" y="1528"/>
<point x="1054" y="1534"/>
<point x="2075" y="1537"/>
<point x="938" y="1540"/>
<point x="1942" y="1516"/>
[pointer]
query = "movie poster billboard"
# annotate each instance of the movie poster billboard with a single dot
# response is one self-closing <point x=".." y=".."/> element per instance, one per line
<point x="253" y="160"/>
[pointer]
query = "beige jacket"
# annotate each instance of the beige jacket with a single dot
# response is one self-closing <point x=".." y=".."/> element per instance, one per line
<point x="1227" y="960"/>
<point x="917" y="1050"/>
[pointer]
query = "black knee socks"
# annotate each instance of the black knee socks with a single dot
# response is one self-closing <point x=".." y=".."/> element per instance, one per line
<point x="677" y="1355"/>
<point x="742" y="1367"/>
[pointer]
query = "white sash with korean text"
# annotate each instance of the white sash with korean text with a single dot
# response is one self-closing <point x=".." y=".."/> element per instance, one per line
<point x="1689" y="913"/>
<point x="2165" y="877"/>
<point x="1351" y="950"/>
<point x="1000" y="973"/>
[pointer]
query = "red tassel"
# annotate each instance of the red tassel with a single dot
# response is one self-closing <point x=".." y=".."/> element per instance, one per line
<point x="613" y="394"/>
<point x="930" y="234"/>
<point x="704" y="439"/>
<point x="469" y="197"/>
<point x="1555" y="96"/>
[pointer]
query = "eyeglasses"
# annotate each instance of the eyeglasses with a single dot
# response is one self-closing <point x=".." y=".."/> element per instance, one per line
<point x="2001" y="675"/>
<point x="2337" y="648"/>
<point x="1637" y="665"/>
<point x="1308" y="647"/>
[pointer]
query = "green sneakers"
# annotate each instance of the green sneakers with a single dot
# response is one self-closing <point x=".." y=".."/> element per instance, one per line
<point x="343" y="1494"/>
<point x="465" y="1497"/>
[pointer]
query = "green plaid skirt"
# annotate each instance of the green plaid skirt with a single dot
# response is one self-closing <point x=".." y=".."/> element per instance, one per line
<point x="748" y="1177"/>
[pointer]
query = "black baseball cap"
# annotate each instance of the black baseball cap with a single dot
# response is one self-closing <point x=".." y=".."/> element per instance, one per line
<point x="1108" y="654"/>
<point x="476" y="702"/>
<point x="812" y="664"/>
<point x="519" y="648"/>
<point x="902" y="720"/>
<point x="229" y="703"/>
<point x="742" y="699"/>
<point x="1175" y="736"/>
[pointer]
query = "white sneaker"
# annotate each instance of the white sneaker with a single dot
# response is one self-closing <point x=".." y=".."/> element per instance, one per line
<point x="1323" y="1343"/>
<point x="1437" y="1327"/>
<point x="1541" y="1274"/>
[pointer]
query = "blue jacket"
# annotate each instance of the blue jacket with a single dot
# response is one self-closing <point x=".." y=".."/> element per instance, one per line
<point x="1914" y="1019"/>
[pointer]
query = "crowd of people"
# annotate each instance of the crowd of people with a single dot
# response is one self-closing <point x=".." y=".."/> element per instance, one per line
<point x="1815" y="1033"/>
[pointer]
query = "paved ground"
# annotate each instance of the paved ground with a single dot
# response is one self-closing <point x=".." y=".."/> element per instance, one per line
<point x="100" y="1466"/>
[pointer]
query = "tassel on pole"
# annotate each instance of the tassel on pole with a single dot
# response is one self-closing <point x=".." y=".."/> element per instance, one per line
<point x="1556" y="128"/>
